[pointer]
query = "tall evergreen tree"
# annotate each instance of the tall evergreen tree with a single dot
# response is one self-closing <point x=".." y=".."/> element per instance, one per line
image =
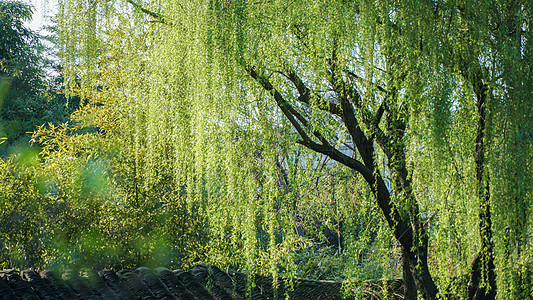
<point x="28" y="96"/>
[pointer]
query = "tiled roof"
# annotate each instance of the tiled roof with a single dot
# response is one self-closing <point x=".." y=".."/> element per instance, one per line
<point x="200" y="283"/>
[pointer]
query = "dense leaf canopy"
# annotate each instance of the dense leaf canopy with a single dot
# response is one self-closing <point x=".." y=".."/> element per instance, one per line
<point x="404" y="128"/>
<point x="430" y="100"/>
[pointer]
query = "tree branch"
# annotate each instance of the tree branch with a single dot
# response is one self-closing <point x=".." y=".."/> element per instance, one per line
<point x="362" y="143"/>
<point x="324" y="148"/>
<point x="159" y="18"/>
<point x="305" y="94"/>
<point x="340" y="157"/>
<point x="378" y="87"/>
<point x="288" y="110"/>
<point x="401" y="228"/>
<point x="379" y="114"/>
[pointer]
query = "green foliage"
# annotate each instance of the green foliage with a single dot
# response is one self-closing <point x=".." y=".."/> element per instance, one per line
<point x="71" y="206"/>
<point x="20" y="203"/>
<point x="181" y="154"/>
<point x="17" y="40"/>
<point x="320" y="263"/>
<point x="28" y="96"/>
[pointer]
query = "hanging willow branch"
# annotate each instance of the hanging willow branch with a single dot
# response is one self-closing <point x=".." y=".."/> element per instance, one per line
<point x="401" y="228"/>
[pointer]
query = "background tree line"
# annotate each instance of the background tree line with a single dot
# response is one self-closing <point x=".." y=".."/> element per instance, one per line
<point x="30" y="81"/>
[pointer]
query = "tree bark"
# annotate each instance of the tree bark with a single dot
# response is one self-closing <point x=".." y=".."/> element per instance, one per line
<point x="482" y="283"/>
<point x="408" y="279"/>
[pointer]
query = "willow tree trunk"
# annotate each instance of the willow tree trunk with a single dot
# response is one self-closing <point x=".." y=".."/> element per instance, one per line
<point x="482" y="283"/>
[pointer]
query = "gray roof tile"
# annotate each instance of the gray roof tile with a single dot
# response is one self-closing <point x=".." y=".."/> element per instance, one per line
<point x="203" y="282"/>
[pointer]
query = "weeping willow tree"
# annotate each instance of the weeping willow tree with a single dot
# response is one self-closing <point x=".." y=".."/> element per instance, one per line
<point x="427" y="104"/>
